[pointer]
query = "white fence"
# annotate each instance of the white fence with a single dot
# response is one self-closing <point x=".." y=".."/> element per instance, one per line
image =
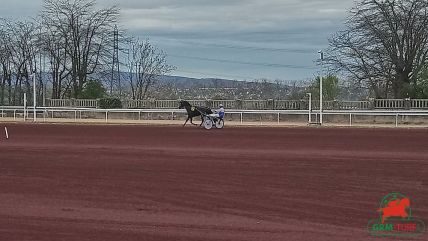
<point x="388" y="104"/>
<point x="105" y="115"/>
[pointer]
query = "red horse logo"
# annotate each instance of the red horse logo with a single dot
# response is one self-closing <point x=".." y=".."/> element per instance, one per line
<point x="395" y="208"/>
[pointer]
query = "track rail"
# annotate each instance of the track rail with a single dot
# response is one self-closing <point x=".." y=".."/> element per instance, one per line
<point x="19" y="112"/>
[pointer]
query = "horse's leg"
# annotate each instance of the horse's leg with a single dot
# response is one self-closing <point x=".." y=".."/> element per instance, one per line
<point x="202" y="120"/>
<point x="191" y="121"/>
<point x="186" y="121"/>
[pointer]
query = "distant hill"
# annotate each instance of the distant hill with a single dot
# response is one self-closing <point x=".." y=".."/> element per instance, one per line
<point x="186" y="82"/>
<point x="213" y="88"/>
<point x="180" y="87"/>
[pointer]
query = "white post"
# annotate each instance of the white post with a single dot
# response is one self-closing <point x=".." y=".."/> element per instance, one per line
<point x="396" y="120"/>
<point x="34" y="98"/>
<point x="44" y="97"/>
<point x="25" y="106"/>
<point x="321" y="91"/>
<point x="310" y="107"/>
<point x="6" y="132"/>
<point x="321" y="104"/>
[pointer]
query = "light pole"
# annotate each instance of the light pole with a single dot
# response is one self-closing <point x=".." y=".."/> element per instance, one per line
<point x="321" y="80"/>
<point x="310" y="107"/>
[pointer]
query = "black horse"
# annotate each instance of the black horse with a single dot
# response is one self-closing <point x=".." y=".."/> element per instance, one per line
<point x="193" y="111"/>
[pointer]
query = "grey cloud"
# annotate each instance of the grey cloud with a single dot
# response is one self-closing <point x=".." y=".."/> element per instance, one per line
<point x="297" y="24"/>
<point x="150" y="4"/>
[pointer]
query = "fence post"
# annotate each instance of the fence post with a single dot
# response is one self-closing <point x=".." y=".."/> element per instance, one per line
<point x="270" y="104"/>
<point x="303" y="104"/>
<point x="209" y="103"/>
<point x="153" y="104"/>
<point x="372" y="104"/>
<point x="407" y="104"/>
<point x="25" y="106"/>
<point x="238" y="104"/>
<point x="336" y="105"/>
<point x="396" y="120"/>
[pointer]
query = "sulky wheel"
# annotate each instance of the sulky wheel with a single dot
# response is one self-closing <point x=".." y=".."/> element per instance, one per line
<point x="208" y="123"/>
<point x="219" y="124"/>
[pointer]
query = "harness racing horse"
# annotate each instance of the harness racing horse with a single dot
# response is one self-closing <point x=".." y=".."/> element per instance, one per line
<point x="193" y="111"/>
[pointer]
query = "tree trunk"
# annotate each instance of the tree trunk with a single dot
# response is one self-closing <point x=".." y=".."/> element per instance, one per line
<point x="2" y="97"/>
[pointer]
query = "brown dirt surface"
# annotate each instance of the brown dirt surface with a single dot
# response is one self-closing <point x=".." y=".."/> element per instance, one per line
<point x="158" y="183"/>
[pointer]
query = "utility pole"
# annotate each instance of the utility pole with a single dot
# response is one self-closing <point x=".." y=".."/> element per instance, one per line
<point x="321" y="89"/>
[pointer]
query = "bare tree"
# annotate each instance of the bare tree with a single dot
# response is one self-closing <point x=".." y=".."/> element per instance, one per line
<point x="385" y="45"/>
<point x="5" y="68"/>
<point x="54" y="48"/>
<point x="80" y="35"/>
<point x="146" y="63"/>
<point x="19" y="48"/>
<point x="78" y="41"/>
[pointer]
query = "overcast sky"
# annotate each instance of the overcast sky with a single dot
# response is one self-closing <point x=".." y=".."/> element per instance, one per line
<point x="235" y="39"/>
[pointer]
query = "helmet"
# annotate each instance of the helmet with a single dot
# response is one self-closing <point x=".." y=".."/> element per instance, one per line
<point x="221" y="105"/>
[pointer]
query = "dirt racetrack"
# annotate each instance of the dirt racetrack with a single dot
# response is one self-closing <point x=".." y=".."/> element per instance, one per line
<point x="114" y="183"/>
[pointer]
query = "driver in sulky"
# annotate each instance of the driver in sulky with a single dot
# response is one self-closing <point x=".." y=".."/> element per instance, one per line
<point x="219" y="113"/>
